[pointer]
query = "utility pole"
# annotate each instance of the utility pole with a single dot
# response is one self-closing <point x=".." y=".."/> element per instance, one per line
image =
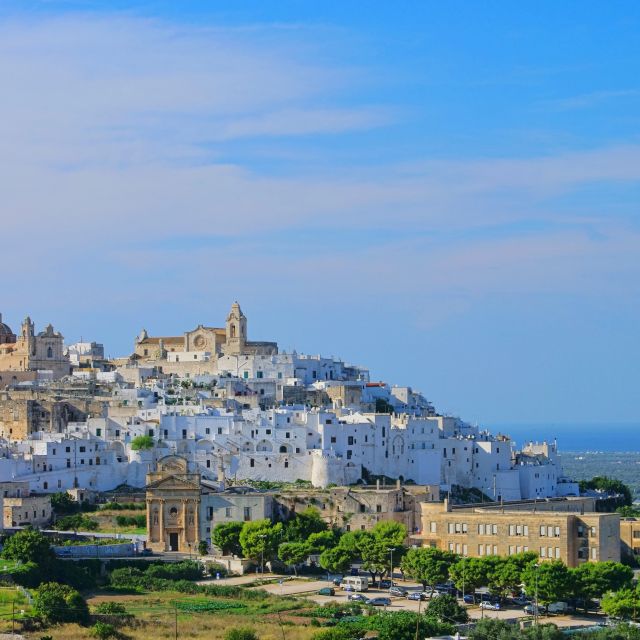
<point x="176" y="620"/>
<point x="535" y="610"/>
<point x="262" y="537"/>
<point x="13" y="617"/>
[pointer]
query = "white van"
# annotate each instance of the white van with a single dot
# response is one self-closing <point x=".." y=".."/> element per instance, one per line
<point x="558" y="607"/>
<point x="355" y="583"/>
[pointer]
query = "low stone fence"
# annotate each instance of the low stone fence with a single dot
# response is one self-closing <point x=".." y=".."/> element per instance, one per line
<point x="125" y="550"/>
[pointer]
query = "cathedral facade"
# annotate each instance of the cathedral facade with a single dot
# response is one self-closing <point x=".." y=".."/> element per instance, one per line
<point x="31" y="352"/>
<point x="213" y="341"/>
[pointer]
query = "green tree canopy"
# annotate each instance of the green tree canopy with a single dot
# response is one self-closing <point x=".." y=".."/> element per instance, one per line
<point x="62" y="503"/>
<point x="260" y="539"/>
<point x="608" y="485"/>
<point x="469" y="574"/>
<point x="552" y="580"/>
<point x="624" y="604"/>
<point x="446" y="609"/>
<point x="56" y="602"/>
<point x="226" y="536"/>
<point x="428" y="565"/>
<point x="140" y="443"/>
<point x="303" y="524"/>
<point x="337" y="560"/>
<point x="594" y="579"/>
<point x="29" y="546"/>
<point x="293" y="553"/>
<point x="320" y="541"/>
<point x="504" y="573"/>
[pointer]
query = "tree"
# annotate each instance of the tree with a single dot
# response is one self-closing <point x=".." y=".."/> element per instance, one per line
<point x="203" y="547"/>
<point x="551" y="579"/>
<point x="374" y="555"/>
<point x="304" y="524"/>
<point x="505" y="573"/>
<point x="259" y="539"/>
<point x="62" y="503"/>
<point x="625" y="604"/>
<point x="336" y="560"/>
<point x="77" y="522"/>
<point x="608" y="485"/>
<point x="293" y="553"/>
<point x="390" y="533"/>
<point x="594" y="579"/>
<point x="428" y="565"/>
<point x="141" y="443"/>
<point x="56" y="602"/>
<point x="446" y="609"/>
<point x="469" y="574"/>
<point x="319" y="542"/>
<point x="226" y="536"/>
<point x="29" y="546"/>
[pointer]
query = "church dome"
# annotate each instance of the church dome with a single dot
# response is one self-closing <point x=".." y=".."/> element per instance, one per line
<point x="5" y="329"/>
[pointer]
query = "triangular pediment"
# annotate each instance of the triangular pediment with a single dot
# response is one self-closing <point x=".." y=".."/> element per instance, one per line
<point x="175" y="483"/>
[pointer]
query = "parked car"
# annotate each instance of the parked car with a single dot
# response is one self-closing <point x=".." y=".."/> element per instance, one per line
<point x="385" y="584"/>
<point x="468" y="599"/>
<point x="400" y="592"/>
<point x="417" y="595"/>
<point x="491" y="606"/>
<point x="357" y="597"/>
<point x="380" y="602"/>
<point x="337" y="581"/>
<point x="327" y="591"/>
<point x="520" y="601"/>
<point x="531" y="609"/>
<point x="354" y="571"/>
<point x="558" y="607"/>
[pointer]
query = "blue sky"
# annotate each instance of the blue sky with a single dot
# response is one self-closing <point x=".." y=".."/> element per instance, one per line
<point x="445" y="192"/>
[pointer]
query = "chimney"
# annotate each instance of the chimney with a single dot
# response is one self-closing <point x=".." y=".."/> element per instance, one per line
<point x="398" y="483"/>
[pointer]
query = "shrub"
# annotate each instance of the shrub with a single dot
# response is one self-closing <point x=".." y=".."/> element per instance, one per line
<point x="240" y="633"/>
<point x="103" y="631"/>
<point x="142" y="442"/>
<point x="56" y="602"/>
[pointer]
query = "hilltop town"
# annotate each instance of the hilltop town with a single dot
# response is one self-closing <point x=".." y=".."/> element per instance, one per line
<point x="238" y="410"/>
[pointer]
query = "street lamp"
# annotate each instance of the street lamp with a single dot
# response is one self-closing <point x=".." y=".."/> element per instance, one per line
<point x="391" y="550"/>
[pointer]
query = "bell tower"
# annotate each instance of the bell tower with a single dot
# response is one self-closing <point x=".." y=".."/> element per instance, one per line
<point x="236" y="331"/>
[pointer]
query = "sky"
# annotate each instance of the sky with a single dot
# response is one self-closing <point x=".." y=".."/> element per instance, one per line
<point x="445" y="192"/>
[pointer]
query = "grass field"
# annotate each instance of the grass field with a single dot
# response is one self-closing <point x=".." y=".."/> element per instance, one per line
<point x="12" y="604"/>
<point x="157" y="614"/>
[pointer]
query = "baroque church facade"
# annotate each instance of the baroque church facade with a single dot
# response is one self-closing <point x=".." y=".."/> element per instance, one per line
<point x="31" y="352"/>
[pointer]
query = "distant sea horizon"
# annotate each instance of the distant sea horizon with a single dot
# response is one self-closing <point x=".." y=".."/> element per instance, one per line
<point x="606" y="437"/>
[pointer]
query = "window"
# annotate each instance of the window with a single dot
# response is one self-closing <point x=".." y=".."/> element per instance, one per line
<point x="247" y="514"/>
<point x="67" y="449"/>
<point x="480" y="529"/>
<point x="558" y="553"/>
<point x="543" y="552"/>
<point x="227" y="512"/>
<point x="252" y="462"/>
<point x="494" y="529"/>
<point x="433" y="527"/>
<point x="556" y="532"/>
<point x="83" y="449"/>
<point x="333" y="439"/>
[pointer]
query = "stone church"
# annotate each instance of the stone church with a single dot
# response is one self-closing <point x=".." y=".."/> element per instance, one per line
<point x="31" y="352"/>
<point x="173" y="506"/>
<point x="216" y="341"/>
